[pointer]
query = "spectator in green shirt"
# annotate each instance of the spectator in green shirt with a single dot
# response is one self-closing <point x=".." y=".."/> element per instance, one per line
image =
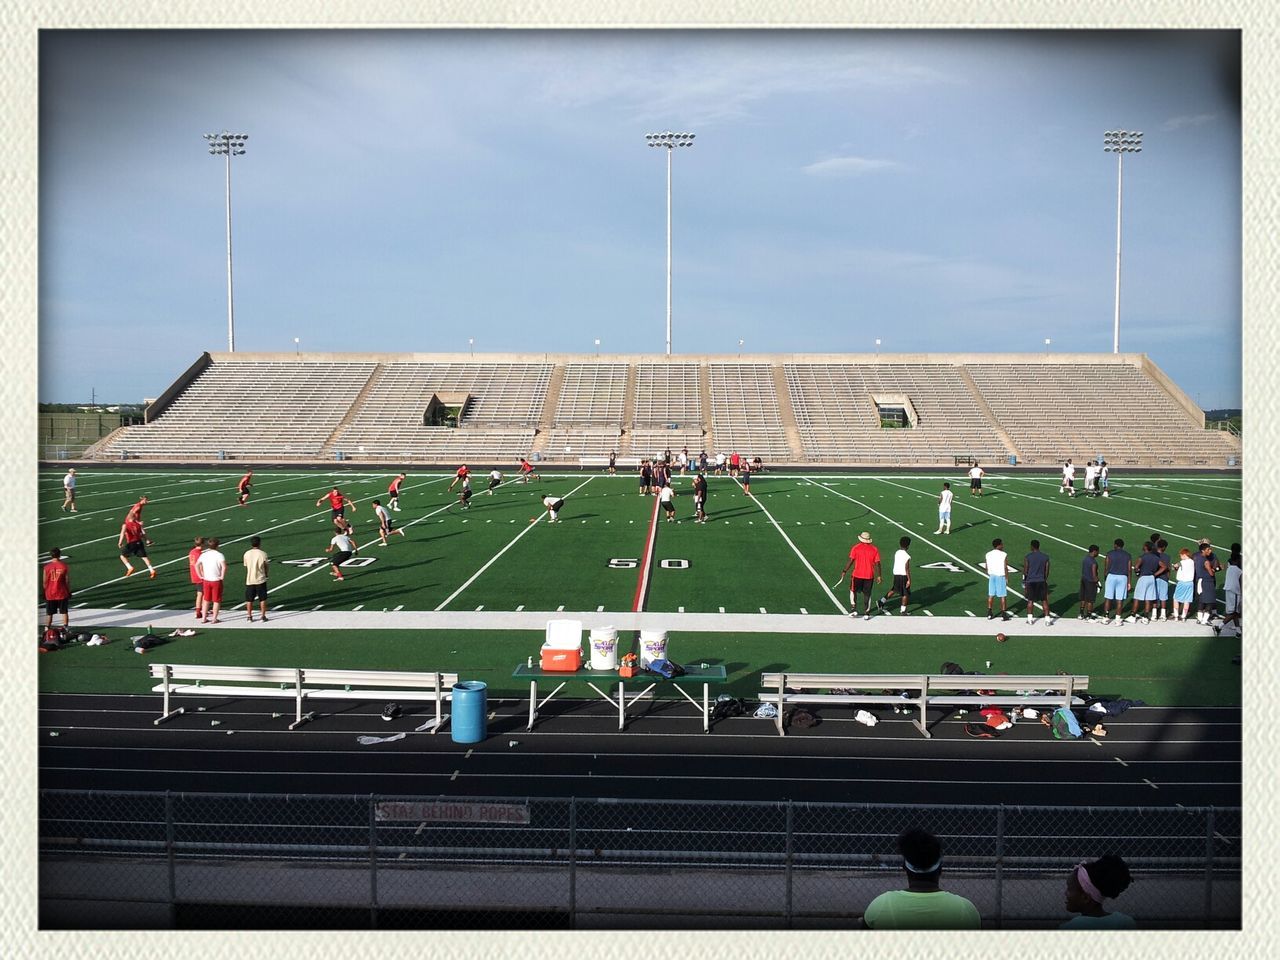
<point x="923" y="905"/>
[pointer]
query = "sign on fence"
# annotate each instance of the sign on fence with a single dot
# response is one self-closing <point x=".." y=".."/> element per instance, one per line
<point x="517" y="813"/>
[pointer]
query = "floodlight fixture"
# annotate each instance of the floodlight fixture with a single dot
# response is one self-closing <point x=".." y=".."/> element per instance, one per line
<point x="1120" y="142"/>
<point x="671" y="141"/>
<point x="228" y="145"/>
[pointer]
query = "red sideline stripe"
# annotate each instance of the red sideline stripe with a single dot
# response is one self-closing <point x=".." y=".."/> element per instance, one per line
<point x="642" y="584"/>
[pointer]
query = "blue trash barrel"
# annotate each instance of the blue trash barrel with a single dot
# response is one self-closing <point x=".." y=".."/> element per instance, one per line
<point x="470" y="711"/>
<point x="338" y="455"/>
<point x="1013" y="461"/>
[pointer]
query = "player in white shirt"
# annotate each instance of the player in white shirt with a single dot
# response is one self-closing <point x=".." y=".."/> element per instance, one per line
<point x="495" y="478"/>
<point x="1090" y="476"/>
<point x="976" y="473"/>
<point x="1068" y="479"/>
<point x="666" y="496"/>
<point x="901" y="577"/>
<point x="997" y="564"/>
<point x="944" y="509"/>
<point x="719" y="463"/>
<point x="69" y="490"/>
<point x="385" y="527"/>
<point x="553" y="505"/>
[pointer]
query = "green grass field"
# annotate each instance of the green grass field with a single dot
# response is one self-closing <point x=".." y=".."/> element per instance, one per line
<point x="779" y="551"/>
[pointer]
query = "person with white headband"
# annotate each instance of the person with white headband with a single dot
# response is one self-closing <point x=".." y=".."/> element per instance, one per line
<point x="923" y="905"/>
<point x="1088" y="885"/>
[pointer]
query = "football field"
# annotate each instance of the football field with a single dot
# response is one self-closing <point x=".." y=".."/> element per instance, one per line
<point x="763" y="565"/>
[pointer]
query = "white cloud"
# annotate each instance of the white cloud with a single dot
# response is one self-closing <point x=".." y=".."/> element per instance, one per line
<point x="847" y="167"/>
<point x="1188" y="120"/>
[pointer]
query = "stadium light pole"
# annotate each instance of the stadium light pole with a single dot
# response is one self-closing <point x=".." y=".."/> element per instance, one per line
<point x="471" y="344"/>
<point x="297" y="349"/>
<point x="877" y="345"/>
<point x="597" y="346"/>
<point x="228" y="145"/>
<point x="670" y="141"/>
<point x="740" y="349"/>
<point x="1120" y="142"/>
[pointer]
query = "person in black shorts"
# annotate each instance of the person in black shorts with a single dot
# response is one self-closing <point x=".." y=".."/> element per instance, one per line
<point x="646" y="477"/>
<point x="613" y="463"/>
<point x="1088" y="583"/>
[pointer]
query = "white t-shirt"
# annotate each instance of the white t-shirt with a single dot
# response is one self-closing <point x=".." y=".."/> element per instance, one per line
<point x="1232" y="581"/>
<point x="997" y="563"/>
<point x="383" y="517"/>
<point x="666" y="494"/>
<point x="719" y="459"/>
<point x="1186" y="569"/>
<point x="341" y="542"/>
<point x="1068" y="471"/>
<point x="944" y="501"/>
<point x="900" y="561"/>
<point x="550" y="501"/>
<point x="975" y="473"/>
<point x="495" y="475"/>
<point x="69" y="481"/>
<point x="211" y="565"/>
<point x="1089" y="473"/>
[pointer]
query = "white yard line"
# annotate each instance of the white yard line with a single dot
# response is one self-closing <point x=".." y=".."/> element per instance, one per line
<point x="808" y="566"/>
<point x="1128" y="498"/>
<point x="475" y="576"/>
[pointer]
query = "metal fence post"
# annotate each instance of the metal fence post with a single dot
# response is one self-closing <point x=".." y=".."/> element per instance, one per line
<point x="790" y="856"/>
<point x="373" y="864"/>
<point x="1208" y="866"/>
<point x="1000" y="825"/>
<point x="173" y="878"/>
<point x="573" y="863"/>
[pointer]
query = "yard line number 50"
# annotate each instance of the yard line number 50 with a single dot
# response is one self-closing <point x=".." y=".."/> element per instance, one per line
<point x="630" y="563"/>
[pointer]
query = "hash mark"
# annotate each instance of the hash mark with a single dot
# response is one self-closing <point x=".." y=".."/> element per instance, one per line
<point x="971" y="613"/>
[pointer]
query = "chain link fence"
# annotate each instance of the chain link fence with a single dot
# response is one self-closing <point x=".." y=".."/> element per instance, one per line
<point x="211" y="860"/>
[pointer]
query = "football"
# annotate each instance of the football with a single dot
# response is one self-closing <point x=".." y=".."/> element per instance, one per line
<point x="1001" y="638"/>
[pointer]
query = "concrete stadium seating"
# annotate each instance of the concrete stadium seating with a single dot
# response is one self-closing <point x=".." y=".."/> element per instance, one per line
<point x="816" y="409"/>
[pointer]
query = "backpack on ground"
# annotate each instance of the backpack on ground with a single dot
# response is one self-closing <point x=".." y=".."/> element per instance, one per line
<point x="727" y="706"/>
<point x="1064" y="725"/>
<point x="800" y="718"/>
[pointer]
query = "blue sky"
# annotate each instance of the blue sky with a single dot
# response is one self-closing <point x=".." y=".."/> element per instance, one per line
<point x="409" y="190"/>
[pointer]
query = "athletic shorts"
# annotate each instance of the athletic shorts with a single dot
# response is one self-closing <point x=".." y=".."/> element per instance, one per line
<point x="465" y="495"/>
<point x="337" y="512"/>
<point x="900" y="584"/>
<point x="1145" y="588"/>
<point x="558" y="505"/>
<point x="70" y="495"/>
<point x="1183" y="591"/>
<point x="135" y="548"/>
<point x="975" y="483"/>
<point x="997" y="586"/>
<point x="1206" y="591"/>
<point x="1233" y="601"/>
<point x="1117" y="586"/>
<point x="493" y="483"/>
<point x="1069" y="482"/>
<point x="342" y="556"/>
<point x="60" y="606"/>
<point x="245" y="491"/>
<point x="1088" y="590"/>
<point x="944" y="516"/>
<point x="859" y="585"/>
<point x="667" y="505"/>
<point x="1162" y="589"/>
<point x="255" y="591"/>
<point x="1037" y="590"/>
<point x="212" y="591"/>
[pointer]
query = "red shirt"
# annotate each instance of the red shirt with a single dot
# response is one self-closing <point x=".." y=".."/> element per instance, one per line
<point x="462" y="470"/>
<point x="525" y="467"/>
<point x="865" y="556"/>
<point x="57" y="583"/>
<point x="192" y="556"/>
<point x="136" y="510"/>
<point x="244" y="482"/>
<point x="335" y="499"/>
<point x="132" y="531"/>
<point x="733" y="459"/>
<point x="394" y="489"/>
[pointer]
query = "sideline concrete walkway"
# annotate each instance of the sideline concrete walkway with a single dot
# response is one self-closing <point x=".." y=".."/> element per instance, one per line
<point x="878" y="625"/>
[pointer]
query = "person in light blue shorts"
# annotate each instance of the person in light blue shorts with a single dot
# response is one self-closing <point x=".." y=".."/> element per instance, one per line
<point x="997" y="565"/>
<point x="1119" y="569"/>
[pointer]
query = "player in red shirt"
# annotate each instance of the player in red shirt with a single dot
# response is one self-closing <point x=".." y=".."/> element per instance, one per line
<point x="135" y="512"/>
<point x="338" y="503"/>
<point x="192" y="556"/>
<point x="394" y="490"/>
<point x="133" y="542"/>
<point x="57" y="589"/>
<point x="865" y="560"/>
<point x="243" y="487"/>
<point x="734" y="461"/>
<point x="526" y="471"/>
<point x="459" y="476"/>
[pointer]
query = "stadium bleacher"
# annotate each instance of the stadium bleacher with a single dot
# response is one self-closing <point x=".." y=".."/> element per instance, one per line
<point x="813" y="409"/>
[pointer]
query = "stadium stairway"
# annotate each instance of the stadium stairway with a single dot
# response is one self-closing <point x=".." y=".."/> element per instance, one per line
<point x="981" y="403"/>
<point x="326" y="449"/>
